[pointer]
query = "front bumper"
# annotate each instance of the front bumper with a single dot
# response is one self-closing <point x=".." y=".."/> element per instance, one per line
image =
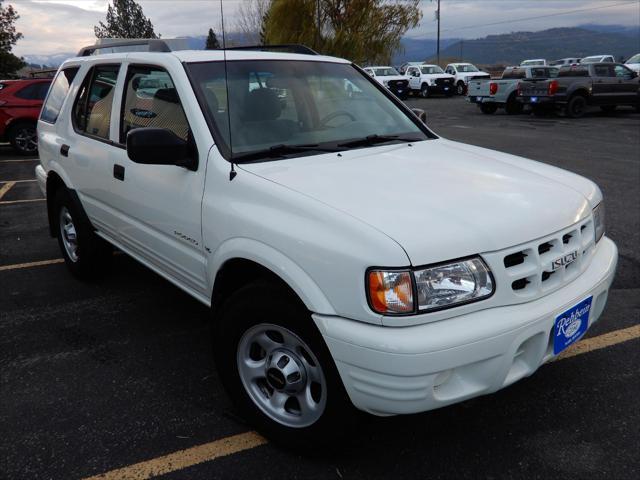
<point x="398" y="370"/>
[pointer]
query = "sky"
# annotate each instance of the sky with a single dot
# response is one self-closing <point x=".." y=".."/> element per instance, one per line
<point x="57" y="26"/>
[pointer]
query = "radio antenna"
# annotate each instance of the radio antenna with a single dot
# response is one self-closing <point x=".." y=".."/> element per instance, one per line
<point x="232" y="173"/>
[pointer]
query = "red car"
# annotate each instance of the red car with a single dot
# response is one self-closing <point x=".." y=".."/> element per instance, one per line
<point x="20" y="104"/>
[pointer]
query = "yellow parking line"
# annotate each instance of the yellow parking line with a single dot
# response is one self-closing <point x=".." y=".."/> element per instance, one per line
<point x="601" y="341"/>
<point x="21" y="160"/>
<point x="18" y="181"/>
<point x="185" y="458"/>
<point x="5" y="188"/>
<point x="41" y="263"/>
<point x="9" y="202"/>
<point x="246" y="441"/>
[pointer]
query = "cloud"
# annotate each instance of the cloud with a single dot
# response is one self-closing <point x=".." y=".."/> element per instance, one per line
<point x="53" y="26"/>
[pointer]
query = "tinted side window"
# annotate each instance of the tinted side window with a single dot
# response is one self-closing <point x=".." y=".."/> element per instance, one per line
<point x="92" y="111"/>
<point x="35" y="91"/>
<point x="623" y="72"/>
<point x="602" y="71"/>
<point x="57" y="94"/>
<point x="151" y="100"/>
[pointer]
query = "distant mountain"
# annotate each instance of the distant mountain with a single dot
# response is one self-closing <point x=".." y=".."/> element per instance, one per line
<point x="511" y="48"/>
<point x="623" y="29"/>
<point x="53" y="60"/>
<point x="419" y="49"/>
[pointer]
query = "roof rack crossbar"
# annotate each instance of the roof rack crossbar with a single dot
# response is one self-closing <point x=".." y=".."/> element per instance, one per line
<point x="155" y="45"/>
<point x="287" y="48"/>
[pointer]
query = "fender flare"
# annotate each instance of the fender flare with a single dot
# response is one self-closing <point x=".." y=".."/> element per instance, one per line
<point x="74" y="198"/>
<point x="272" y="259"/>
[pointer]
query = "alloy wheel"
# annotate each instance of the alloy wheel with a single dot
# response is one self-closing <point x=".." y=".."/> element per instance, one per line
<point x="68" y="234"/>
<point x="26" y="139"/>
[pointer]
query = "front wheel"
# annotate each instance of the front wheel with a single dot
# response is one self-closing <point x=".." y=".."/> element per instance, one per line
<point x="460" y="88"/>
<point x="424" y="90"/>
<point x="24" y="139"/>
<point x="513" y="106"/>
<point x="276" y="367"/>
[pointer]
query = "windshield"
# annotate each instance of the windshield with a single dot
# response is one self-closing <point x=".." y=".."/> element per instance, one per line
<point x="634" y="59"/>
<point x="276" y="103"/>
<point x="431" y="70"/>
<point x="467" y="68"/>
<point x="385" y="71"/>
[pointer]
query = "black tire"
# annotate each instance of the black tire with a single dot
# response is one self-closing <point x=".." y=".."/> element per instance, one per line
<point x="460" y="88"/>
<point x="424" y="90"/>
<point x="513" y="106"/>
<point x="83" y="251"/>
<point x="263" y="305"/>
<point x="608" y="108"/>
<point x="23" y="137"/>
<point x="488" y="108"/>
<point x="576" y="107"/>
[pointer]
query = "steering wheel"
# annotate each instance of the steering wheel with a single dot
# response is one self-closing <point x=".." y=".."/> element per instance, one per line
<point x="336" y="114"/>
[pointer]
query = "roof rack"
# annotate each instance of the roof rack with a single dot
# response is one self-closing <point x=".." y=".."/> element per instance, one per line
<point x="155" y="45"/>
<point x="286" y="48"/>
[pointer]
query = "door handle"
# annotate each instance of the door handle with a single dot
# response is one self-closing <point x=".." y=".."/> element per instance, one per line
<point x="64" y="150"/>
<point x="118" y="172"/>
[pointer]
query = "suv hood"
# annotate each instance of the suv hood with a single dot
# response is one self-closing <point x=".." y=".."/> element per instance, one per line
<point x="438" y="199"/>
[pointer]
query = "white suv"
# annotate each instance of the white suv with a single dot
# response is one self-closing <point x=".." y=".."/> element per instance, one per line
<point x="349" y="254"/>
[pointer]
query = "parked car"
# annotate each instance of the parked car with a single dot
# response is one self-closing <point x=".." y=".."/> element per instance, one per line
<point x="490" y="95"/>
<point x="463" y="73"/>
<point x="403" y="68"/>
<point x="607" y="85"/>
<point x="598" y="59"/>
<point x="20" y="104"/>
<point x="429" y="79"/>
<point x="634" y="63"/>
<point x="390" y="78"/>
<point x="538" y="62"/>
<point x="350" y="256"/>
<point x="565" y="62"/>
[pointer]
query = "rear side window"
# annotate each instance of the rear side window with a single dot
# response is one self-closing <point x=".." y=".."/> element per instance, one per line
<point x="602" y="71"/>
<point x="573" y="72"/>
<point x="514" y="73"/>
<point x="57" y="94"/>
<point x="35" y="91"/>
<point x="151" y="100"/>
<point x="92" y="110"/>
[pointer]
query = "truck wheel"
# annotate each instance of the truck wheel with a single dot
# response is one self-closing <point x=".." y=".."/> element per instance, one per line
<point x="83" y="251"/>
<point x="424" y="90"/>
<point x="576" y="106"/>
<point x="488" y="108"/>
<point x="608" y="108"/>
<point x="24" y="138"/>
<point x="513" y="106"/>
<point x="460" y="88"/>
<point x="276" y="367"/>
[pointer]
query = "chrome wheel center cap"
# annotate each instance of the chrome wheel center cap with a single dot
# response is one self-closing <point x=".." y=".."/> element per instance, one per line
<point x="285" y="372"/>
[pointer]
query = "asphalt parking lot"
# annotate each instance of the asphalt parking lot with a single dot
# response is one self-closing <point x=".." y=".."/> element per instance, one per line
<point x="118" y="374"/>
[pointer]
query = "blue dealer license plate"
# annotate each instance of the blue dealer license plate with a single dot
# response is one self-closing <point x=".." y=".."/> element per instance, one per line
<point x="570" y="325"/>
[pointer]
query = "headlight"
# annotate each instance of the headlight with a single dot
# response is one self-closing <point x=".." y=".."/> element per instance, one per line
<point x="441" y="286"/>
<point x="386" y="83"/>
<point x="453" y="283"/>
<point x="598" y="221"/>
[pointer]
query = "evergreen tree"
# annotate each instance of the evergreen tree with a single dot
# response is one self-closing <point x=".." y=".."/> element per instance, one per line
<point x="125" y="19"/>
<point x="212" y="41"/>
<point x="9" y="63"/>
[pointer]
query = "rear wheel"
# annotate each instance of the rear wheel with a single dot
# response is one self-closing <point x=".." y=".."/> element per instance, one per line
<point x="488" y="108"/>
<point x="24" y="138"/>
<point x="83" y="251"/>
<point x="424" y="90"/>
<point x="576" y="107"/>
<point x="276" y="367"/>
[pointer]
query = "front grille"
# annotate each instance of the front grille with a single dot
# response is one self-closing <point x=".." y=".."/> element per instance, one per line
<point x="441" y="82"/>
<point x="398" y="83"/>
<point x="527" y="272"/>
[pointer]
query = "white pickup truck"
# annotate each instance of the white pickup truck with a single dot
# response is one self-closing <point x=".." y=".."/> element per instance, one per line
<point x="390" y="78"/>
<point x="350" y="256"/>
<point x="429" y="79"/>
<point x="463" y="73"/>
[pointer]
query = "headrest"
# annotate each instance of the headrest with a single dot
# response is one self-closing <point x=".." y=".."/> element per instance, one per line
<point x="261" y="105"/>
<point x="167" y="95"/>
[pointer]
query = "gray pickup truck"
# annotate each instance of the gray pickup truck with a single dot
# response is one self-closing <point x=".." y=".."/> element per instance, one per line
<point x="490" y="95"/>
<point x="607" y="85"/>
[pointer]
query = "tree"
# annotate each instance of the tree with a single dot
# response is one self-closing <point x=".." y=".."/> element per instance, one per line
<point x="125" y="19"/>
<point x="9" y="63"/>
<point x="252" y="18"/>
<point x="365" y="31"/>
<point x="212" y="41"/>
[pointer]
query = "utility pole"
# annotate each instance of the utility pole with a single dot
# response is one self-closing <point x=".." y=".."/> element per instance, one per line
<point x="317" y="47"/>
<point x="438" y="17"/>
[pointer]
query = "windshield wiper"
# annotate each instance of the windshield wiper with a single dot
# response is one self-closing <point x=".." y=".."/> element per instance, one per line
<point x="376" y="139"/>
<point x="280" y="150"/>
